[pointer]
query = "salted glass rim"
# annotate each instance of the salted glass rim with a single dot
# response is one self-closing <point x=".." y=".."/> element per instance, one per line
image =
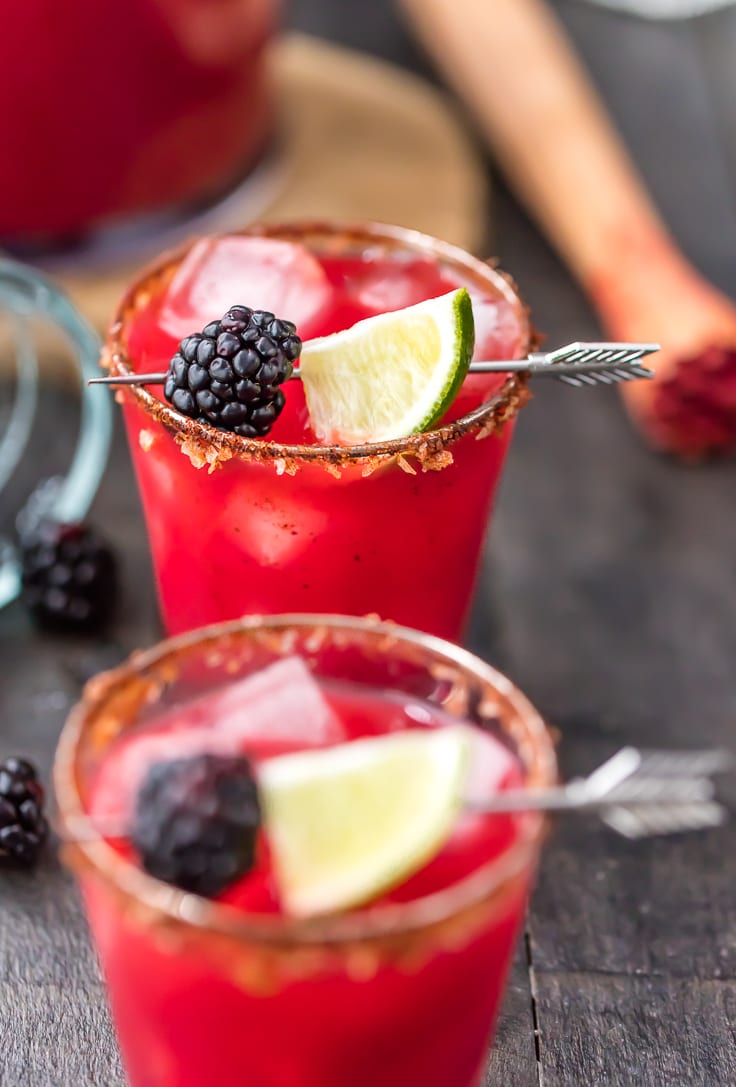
<point x="489" y="416"/>
<point x="89" y="852"/>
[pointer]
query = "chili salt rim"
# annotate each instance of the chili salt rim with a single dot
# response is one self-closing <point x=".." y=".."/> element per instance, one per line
<point x="427" y="447"/>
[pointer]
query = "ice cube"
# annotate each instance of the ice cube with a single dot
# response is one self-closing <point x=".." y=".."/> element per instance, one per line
<point x="278" y="527"/>
<point x="262" y="273"/>
<point x="281" y="704"/>
<point x="497" y="329"/>
<point x="382" y="284"/>
<point x="281" y="707"/>
<point x="491" y="768"/>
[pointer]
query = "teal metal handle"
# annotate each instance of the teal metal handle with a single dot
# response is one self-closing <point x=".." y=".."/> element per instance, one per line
<point x="26" y="294"/>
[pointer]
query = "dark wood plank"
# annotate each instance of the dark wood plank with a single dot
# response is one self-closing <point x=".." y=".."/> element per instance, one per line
<point x="608" y="595"/>
<point x="651" y="1032"/>
<point x="611" y="571"/>
<point x="54" y="1025"/>
<point x="661" y="907"/>
<point x="513" y="1060"/>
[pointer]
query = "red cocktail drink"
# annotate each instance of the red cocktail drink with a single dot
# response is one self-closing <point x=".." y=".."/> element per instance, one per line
<point x="402" y="991"/>
<point x="287" y="524"/>
<point x="79" y="151"/>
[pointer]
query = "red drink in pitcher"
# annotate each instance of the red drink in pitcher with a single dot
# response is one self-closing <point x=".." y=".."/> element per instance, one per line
<point x="117" y="108"/>
<point x="260" y="526"/>
<point x="234" y="989"/>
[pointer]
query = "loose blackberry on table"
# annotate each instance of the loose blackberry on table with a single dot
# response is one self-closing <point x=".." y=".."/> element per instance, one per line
<point x="23" y="827"/>
<point x="69" y="576"/>
<point x="229" y="374"/>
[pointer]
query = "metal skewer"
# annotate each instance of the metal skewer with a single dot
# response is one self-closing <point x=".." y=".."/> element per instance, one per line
<point x="637" y="793"/>
<point x="576" y="364"/>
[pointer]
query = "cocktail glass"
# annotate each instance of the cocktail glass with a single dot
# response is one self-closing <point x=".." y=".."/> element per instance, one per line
<point x="241" y="526"/>
<point x="403" y="993"/>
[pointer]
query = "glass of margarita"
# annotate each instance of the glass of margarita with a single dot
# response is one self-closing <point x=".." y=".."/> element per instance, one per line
<point x="402" y="990"/>
<point x="260" y="526"/>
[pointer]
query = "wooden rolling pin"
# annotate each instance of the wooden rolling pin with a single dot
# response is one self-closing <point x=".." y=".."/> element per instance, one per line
<point x="515" y="68"/>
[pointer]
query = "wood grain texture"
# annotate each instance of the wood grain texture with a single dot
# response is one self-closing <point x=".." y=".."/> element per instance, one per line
<point x="55" y="1029"/>
<point x="648" y="1032"/>
<point x="608" y="592"/>
<point x="513" y="1060"/>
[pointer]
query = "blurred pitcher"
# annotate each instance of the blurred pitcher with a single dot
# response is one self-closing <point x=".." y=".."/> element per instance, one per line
<point x="123" y="107"/>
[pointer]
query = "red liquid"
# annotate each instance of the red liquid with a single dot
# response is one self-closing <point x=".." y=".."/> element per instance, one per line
<point x="187" y="1018"/>
<point x="113" y="107"/>
<point x="244" y="540"/>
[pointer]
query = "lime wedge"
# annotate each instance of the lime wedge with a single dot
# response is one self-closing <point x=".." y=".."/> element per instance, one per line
<point x="346" y="823"/>
<point x="391" y="375"/>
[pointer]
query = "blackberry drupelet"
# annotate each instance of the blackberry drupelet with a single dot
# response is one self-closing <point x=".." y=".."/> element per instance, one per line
<point x="69" y="576"/>
<point x="23" y="828"/>
<point x="196" y="820"/>
<point x="229" y="374"/>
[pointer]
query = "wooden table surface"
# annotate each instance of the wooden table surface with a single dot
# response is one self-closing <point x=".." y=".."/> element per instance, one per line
<point x="608" y="594"/>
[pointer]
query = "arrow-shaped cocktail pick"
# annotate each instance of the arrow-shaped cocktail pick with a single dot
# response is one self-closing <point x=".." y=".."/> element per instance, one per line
<point x="580" y="364"/>
<point x="637" y="793"/>
<point x="577" y="364"/>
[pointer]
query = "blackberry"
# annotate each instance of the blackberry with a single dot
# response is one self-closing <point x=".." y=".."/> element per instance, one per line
<point x="195" y="822"/>
<point x="23" y="828"/>
<point x="69" y="576"/>
<point x="228" y="375"/>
